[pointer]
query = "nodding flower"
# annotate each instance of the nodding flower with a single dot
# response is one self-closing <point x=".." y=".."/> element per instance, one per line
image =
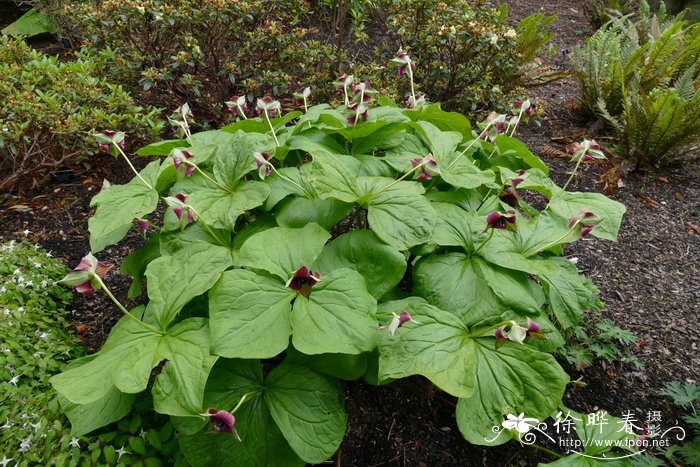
<point x="427" y="167"/>
<point x="269" y="106"/>
<point x="180" y="208"/>
<point x="303" y="280"/>
<point x="512" y="331"/>
<point x="261" y="159"/>
<point x="85" y="276"/>
<point x="497" y="220"/>
<point x="237" y="105"/>
<point x="107" y="138"/>
<point x="221" y="421"/>
<point x="397" y="321"/>
<point x="180" y="157"/>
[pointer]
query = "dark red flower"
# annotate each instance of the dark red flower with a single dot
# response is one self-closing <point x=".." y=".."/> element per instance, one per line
<point x="303" y="280"/>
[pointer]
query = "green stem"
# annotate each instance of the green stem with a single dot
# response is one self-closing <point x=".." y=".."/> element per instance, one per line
<point x="306" y="105"/>
<point x="241" y="112"/>
<point x="284" y="177"/>
<point x="125" y="311"/>
<point x="243" y="399"/>
<point x="573" y="174"/>
<point x="359" y="106"/>
<point x="206" y="226"/>
<point x="397" y="180"/>
<point x="211" y="180"/>
<point x="132" y="166"/>
<point x="487" y="331"/>
<point x="484" y="242"/>
<point x="471" y="143"/>
<point x="274" y="135"/>
<point x="515" y="127"/>
<point x="410" y="77"/>
<point x="548" y="451"/>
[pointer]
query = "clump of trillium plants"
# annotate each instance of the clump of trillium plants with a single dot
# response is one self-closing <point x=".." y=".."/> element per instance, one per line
<point x="365" y="241"/>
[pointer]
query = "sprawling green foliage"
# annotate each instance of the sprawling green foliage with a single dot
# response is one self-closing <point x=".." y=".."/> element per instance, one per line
<point x="643" y="79"/>
<point x="49" y="110"/>
<point x="425" y="261"/>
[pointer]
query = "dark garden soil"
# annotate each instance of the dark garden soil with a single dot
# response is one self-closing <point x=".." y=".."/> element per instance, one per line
<point x="648" y="281"/>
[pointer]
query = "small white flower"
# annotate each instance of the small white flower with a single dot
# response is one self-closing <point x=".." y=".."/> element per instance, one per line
<point x="29" y="284"/>
<point x="21" y="309"/>
<point x="48" y="253"/>
<point x="510" y="34"/>
<point x="121" y="451"/>
<point x="44" y="335"/>
<point x="5" y="460"/>
<point x="37" y="354"/>
<point x="26" y="444"/>
<point x="520" y="424"/>
<point x="74" y="442"/>
<point x="17" y="272"/>
<point x="574" y="260"/>
<point x="14" y="380"/>
<point x="44" y="284"/>
<point x="7" y="312"/>
<point x="3" y="289"/>
<point x="7" y="424"/>
<point x="24" y="416"/>
<point x="27" y="232"/>
<point x="36" y="426"/>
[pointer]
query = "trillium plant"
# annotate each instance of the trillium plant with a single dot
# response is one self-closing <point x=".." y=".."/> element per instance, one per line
<point x="300" y="249"/>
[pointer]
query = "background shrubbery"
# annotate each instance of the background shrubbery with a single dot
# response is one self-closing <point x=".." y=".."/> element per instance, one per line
<point x="50" y="108"/>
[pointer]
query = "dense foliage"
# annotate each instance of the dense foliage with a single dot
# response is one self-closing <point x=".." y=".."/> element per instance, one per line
<point x="642" y="77"/>
<point x="205" y="51"/>
<point x="300" y="249"/>
<point x="49" y="110"/>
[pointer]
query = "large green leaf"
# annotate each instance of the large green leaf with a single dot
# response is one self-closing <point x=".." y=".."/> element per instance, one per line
<point x="130" y="354"/>
<point x="513" y="288"/>
<point x="568" y="294"/>
<point x="511" y="380"/>
<point x="162" y="148"/>
<point x="445" y="121"/>
<point x="570" y="204"/>
<point x="455" y="283"/>
<point x="179" y="388"/>
<point x="399" y="157"/>
<point x="119" y="205"/>
<point x="288" y="181"/>
<point x="513" y="148"/>
<point x="385" y="137"/>
<point x="235" y="158"/>
<point x="220" y="209"/>
<point x="298" y="212"/>
<point x="338" y="365"/>
<point x="456" y="227"/>
<point x="294" y="406"/>
<point x="308" y="409"/>
<point x="175" y="280"/>
<point x="250" y="315"/>
<point x="261" y="445"/>
<point x="381" y="266"/>
<point x="397" y="211"/>
<point x="31" y="23"/>
<point x="334" y="176"/>
<point x="136" y="262"/>
<point x="438" y="347"/>
<point x="338" y="316"/>
<point x="84" y="418"/>
<point x="282" y="251"/>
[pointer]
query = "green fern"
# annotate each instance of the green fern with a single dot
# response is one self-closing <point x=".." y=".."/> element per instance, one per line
<point x="642" y="78"/>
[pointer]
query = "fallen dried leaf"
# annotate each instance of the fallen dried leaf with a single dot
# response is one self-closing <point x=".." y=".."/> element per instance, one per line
<point x="662" y="179"/>
<point x="647" y="200"/>
<point x="20" y="208"/>
<point x="694" y="227"/>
